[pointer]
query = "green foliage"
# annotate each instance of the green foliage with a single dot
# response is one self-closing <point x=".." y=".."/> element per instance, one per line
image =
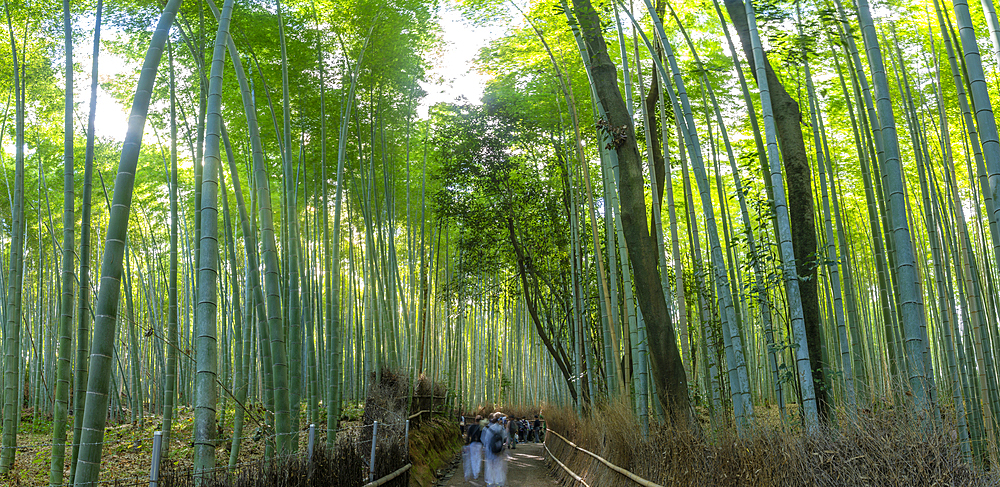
<point x="500" y="175"/>
<point x="499" y="172"/>
<point x="353" y="411"/>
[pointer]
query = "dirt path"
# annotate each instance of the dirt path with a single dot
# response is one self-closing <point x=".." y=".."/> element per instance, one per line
<point x="526" y="468"/>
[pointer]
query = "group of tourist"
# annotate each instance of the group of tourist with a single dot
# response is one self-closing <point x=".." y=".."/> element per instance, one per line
<point x="487" y="441"/>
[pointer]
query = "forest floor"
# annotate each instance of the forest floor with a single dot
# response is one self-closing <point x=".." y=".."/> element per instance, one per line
<point x="128" y="446"/>
<point x="127" y="450"/>
<point x="526" y="467"/>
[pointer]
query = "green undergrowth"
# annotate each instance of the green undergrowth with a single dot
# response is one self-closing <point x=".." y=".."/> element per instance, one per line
<point x="128" y="447"/>
<point x="432" y="446"/>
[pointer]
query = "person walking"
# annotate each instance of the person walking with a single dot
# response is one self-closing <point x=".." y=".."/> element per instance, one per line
<point x="495" y="473"/>
<point x="536" y="429"/>
<point x="512" y="432"/>
<point x="472" y="452"/>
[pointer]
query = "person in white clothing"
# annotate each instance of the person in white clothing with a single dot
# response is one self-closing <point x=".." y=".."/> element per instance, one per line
<point x="472" y="453"/>
<point x="495" y="473"/>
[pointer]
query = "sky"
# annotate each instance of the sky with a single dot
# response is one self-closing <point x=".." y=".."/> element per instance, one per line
<point x="453" y="71"/>
<point x="451" y="77"/>
<point x="111" y="117"/>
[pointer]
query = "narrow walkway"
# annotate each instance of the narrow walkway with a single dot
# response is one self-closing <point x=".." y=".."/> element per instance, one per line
<point x="526" y="468"/>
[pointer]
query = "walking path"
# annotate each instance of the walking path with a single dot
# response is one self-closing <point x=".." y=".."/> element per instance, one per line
<point x="526" y="468"/>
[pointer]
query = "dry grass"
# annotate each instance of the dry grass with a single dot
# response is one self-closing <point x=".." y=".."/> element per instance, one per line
<point x="875" y="449"/>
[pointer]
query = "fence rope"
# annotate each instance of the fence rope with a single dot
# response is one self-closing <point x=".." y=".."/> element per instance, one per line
<point x="564" y="467"/>
<point x="635" y="478"/>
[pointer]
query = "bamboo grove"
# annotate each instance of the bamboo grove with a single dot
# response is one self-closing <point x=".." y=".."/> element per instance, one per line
<point x="750" y="210"/>
<point x="824" y="236"/>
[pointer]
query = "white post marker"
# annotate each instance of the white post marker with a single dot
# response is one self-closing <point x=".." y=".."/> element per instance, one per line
<point x="154" y="467"/>
<point x="312" y="441"/>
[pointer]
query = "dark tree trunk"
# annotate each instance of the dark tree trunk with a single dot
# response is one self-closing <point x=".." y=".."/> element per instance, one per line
<point x="668" y="370"/>
<point x="798" y="181"/>
<point x="555" y="348"/>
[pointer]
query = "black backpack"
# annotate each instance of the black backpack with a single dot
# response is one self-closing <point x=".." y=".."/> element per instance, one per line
<point x="496" y="442"/>
<point x="475" y="433"/>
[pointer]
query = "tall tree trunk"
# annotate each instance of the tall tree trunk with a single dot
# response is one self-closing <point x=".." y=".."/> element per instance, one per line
<point x="170" y="388"/>
<point x="798" y="180"/>
<point x="290" y="238"/>
<point x="83" y="310"/>
<point x="12" y="334"/>
<point x="206" y="349"/>
<point x="668" y="370"/>
<point x="95" y="414"/>
<point x="911" y="307"/>
<point x="527" y="275"/>
<point x="810" y="413"/>
<point x="66" y="303"/>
